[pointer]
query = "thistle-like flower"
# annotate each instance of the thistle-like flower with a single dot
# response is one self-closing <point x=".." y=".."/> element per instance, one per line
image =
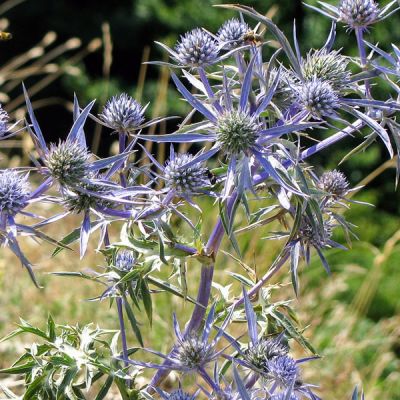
<point x="192" y="352"/>
<point x="259" y="353"/>
<point x="84" y="200"/>
<point x="67" y="162"/>
<point x="123" y="113"/>
<point x="196" y="48"/>
<point x="232" y="32"/>
<point x="334" y="183"/>
<point x="125" y="260"/>
<point x="14" y="192"/>
<point x="358" y="13"/>
<point x="328" y="66"/>
<point x="317" y="97"/>
<point x="317" y="236"/>
<point x="185" y="179"/>
<point x="178" y="394"/>
<point x="283" y="370"/>
<point x="4" y="118"/>
<point x="237" y="132"/>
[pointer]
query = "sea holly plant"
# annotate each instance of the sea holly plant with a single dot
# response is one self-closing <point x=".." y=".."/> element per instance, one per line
<point x="256" y="116"/>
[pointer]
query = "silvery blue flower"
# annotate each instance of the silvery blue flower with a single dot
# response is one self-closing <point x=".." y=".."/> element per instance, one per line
<point x="15" y="196"/>
<point x="123" y="113"/>
<point x="317" y="97"/>
<point x="238" y="133"/>
<point x="283" y="371"/>
<point x="125" y="260"/>
<point x="196" y="48"/>
<point x="232" y="32"/>
<point x="328" y="66"/>
<point x="193" y="351"/>
<point x="356" y="14"/>
<point x="334" y="183"/>
<point x="185" y="179"/>
<point x="14" y="192"/>
<point x="67" y="162"/>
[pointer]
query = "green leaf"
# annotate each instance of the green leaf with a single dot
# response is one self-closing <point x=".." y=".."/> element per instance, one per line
<point x="146" y="296"/>
<point x="51" y="328"/>
<point x="105" y="388"/>
<point x="19" y="369"/>
<point x="33" y="388"/>
<point x="69" y="239"/>
<point x="133" y="321"/>
<point x="287" y="324"/>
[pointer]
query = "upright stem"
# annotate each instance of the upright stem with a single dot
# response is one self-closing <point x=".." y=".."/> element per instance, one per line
<point x="122" y="329"/>
<point x="363" y="58"/>
<point x="122" y="146"/>
<point x="207" y="271"/>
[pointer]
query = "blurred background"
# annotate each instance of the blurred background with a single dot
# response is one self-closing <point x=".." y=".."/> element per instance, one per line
<point x="96" y="49"/>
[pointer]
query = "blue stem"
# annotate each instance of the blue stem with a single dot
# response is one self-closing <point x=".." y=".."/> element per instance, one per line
<point x="363" y="58"/>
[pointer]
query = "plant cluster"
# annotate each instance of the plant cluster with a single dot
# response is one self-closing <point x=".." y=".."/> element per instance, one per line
<point x="252" y="126"/>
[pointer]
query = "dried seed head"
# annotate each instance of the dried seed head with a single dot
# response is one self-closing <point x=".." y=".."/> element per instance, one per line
<point x="192" y="352"/>
<point x="125" y="260"/>
<point x="237" y="132"/>
<point x="334" y="182"/>
<point x="283" y="370"/>
<point x="122" y="113"/>
<point x="14" y="192"/>
<point x="185" y="179"/>
<point x="358" y="13"/>
<point x="232" y="32"/>
<point x="4" y="118"/>
<point x="266" y="349"/>
<point x="197" y="48"/>
<point x="67" y="162"/>
<point x="327" y="66"/>
<point x="317" y="97"/>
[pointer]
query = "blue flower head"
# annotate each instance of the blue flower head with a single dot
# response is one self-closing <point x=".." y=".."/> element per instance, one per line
<point x="358" y="13"/>
<point x="232" y="32"/>
<point x="317" y="97"/>
<point x="67" y="162"/>
<point x="178" y="394"/>
<point x="334" y="183"/>
<point x="328" y="66"/>
<point x="283" y="370"/>
<point x="185" y="179"/>
<point x="125" y="260"/>
<point x="196" y="48"/>
<point x="123" y="113"/>
<point x="14" y="192"/>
